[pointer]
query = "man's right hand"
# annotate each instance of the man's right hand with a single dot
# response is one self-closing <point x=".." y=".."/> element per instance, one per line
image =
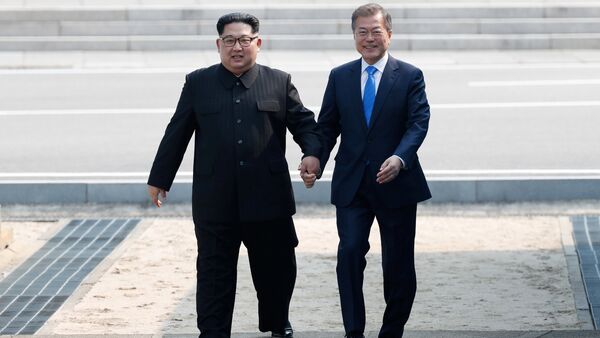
<point x="309" y="170"/>
<point x="154" y="193"/>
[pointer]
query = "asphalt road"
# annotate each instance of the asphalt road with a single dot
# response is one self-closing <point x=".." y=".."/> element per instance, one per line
<point x="483" y="117"/>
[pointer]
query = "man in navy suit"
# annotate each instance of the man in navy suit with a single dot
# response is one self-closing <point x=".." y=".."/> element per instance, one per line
<point x="378" y="105"/>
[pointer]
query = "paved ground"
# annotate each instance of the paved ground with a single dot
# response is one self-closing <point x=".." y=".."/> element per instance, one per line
<point x="408" y="334"/>
<point x="508" y="250"/>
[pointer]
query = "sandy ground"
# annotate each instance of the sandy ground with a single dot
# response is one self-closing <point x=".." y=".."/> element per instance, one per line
<point x="474" y="272"/>
<point x="28" y="237"/>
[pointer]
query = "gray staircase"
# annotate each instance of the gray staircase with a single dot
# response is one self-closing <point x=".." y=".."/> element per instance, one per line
<point x="427" y="26"/>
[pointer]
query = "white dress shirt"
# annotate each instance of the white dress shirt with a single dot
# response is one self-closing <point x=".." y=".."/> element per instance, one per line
<point x="380" y="65"/>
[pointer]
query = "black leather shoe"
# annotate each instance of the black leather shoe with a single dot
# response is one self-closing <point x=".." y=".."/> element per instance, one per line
<point x="287" y="332"/>
<point x="354" y="335"/>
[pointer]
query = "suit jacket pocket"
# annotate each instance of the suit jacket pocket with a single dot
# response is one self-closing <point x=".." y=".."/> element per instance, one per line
<point x="271" y="106"/>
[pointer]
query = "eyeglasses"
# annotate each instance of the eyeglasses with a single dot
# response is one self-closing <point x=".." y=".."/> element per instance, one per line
<point x="245" y="41"/>
<point x="365" y="33"/>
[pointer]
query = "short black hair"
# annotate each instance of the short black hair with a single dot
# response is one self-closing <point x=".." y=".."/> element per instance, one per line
<point x="370" y="10"/>
<point x="238" y="17"/>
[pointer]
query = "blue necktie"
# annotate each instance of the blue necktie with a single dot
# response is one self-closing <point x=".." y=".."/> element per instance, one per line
<point x="369" y="93"/>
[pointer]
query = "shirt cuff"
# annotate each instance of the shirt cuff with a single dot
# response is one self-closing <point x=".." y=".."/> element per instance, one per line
<point x="401" y="161"/>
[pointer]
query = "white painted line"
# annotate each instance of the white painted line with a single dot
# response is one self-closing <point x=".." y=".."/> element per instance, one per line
<point x="151" y="111"/>
<point x="169" y="111"/>
<point x="490" y="105"/>
<point x="135" y="111"/>
<point x="514" y="172"/>
<point x="456" y="172"/>
<point x="534" y="83"/>
<point x="83" y="174"/>
<point x="516" y="66"/>
<point x="108" y="71"/>
<point x="115" y="111"/>
<point x="186" y="176"/>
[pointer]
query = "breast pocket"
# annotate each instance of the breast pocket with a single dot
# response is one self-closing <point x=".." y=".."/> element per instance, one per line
<point x="270" y="107"/>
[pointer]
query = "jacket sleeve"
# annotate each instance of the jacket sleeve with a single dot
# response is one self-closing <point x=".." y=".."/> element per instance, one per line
<point x="301" y="122"/>
<point x="174" y="142"/>
<point x="417" y="122"/>
<point x="329" y="121"/>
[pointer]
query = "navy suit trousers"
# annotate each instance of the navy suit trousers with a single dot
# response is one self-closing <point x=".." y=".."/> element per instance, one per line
<point x="397" y="228"/>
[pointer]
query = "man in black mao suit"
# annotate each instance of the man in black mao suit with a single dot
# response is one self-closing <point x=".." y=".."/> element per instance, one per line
<point x="239" y="112"/>
<point x="378" y="105"/>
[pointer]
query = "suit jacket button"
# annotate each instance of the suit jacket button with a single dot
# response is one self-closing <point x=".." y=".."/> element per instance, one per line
<point x="237" y="101"/>
<point x="241" y="163"/>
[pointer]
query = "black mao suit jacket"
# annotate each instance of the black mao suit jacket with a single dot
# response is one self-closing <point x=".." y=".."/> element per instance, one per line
<point x="240" y="170"/>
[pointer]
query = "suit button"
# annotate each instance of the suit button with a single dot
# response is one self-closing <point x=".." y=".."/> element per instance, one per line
<point x="237" y="83"/>
<point x="237" y="101"/>
<point x="240" y="141"/>
<point x="241" y="163"/>
<point x="238" y="121"/>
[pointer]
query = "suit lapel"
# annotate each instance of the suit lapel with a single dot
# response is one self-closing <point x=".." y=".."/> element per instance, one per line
<point x="355" y="93"/>
<point x="389" y="76"/>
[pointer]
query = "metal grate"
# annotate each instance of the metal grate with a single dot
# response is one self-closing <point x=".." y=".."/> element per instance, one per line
<point x="38" y="287"/>
<point x="586" y="232"/>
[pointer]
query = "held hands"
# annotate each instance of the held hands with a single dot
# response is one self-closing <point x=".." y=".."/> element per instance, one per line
<point x="389" y="169"/>
<point x="154" y="193"/>
<point x="309" y="168"/>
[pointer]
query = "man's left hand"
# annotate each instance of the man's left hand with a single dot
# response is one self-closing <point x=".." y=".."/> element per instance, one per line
<point x="389" y="169"/>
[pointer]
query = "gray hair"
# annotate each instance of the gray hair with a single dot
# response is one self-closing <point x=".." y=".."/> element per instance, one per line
<point x="370" y="10"/>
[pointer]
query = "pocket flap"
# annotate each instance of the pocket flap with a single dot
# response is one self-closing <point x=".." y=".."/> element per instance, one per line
<point x="268" y="105"/>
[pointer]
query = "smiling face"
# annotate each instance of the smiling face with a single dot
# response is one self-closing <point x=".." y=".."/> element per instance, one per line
<point x="238" y="59"/>
<point x="371" y="37"/>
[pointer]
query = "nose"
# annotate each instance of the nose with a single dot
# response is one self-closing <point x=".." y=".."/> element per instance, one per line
<point x="237" y="45"/>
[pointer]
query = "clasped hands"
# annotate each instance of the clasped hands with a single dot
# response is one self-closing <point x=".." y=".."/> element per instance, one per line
<point x="310" y="169"/>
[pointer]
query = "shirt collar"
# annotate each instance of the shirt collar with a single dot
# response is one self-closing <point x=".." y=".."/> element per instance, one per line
<point x="380" y="65"/>
<point x="247" y="79"/>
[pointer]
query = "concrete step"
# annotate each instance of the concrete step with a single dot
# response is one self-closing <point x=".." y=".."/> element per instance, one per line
<point x="303" y="42"/>
<point x="299" y="27"/>
<point x="305" y="11"/>
<point x="129" y="3"/>
<point x="303" y="26"/>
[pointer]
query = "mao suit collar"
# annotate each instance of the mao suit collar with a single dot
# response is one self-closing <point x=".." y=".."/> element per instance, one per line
<point x="247" y="79"/>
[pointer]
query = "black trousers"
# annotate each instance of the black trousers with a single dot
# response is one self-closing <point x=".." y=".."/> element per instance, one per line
<point x="272" y="259"/>
<point x="397" y="229"/>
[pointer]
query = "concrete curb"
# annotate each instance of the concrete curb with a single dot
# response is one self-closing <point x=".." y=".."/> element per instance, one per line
<point x="444" y="190"/>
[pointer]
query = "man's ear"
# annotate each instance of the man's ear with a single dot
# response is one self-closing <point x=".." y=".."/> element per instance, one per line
<point x="258" y="43"/>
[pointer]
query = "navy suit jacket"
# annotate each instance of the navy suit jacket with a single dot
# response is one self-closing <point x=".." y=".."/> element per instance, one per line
<point x="398" y="125"/>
